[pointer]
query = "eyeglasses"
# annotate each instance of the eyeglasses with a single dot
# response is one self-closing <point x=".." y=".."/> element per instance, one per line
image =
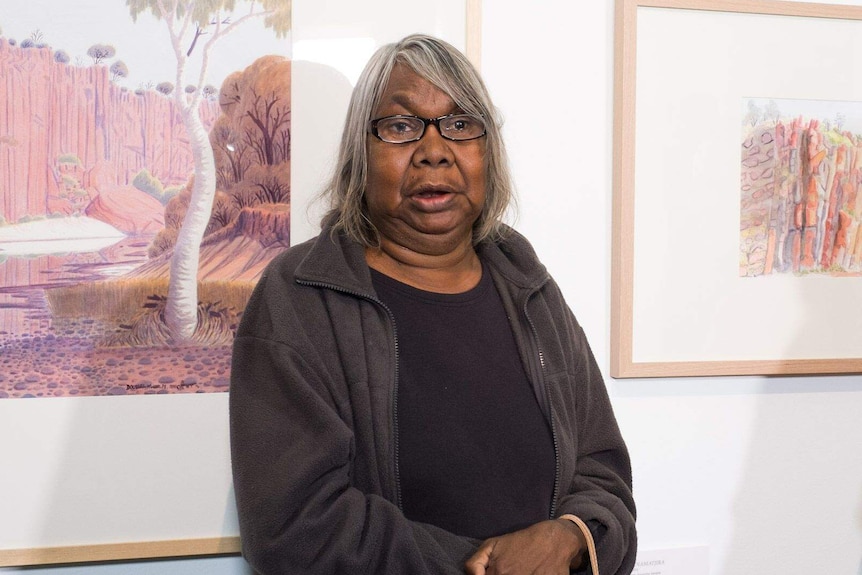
<point x="403" y="128"/>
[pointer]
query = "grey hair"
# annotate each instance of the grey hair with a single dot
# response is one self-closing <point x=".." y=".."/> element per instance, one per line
<point x="447" y="69"/>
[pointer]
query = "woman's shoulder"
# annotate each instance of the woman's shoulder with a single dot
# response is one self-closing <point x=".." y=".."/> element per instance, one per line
<point x="297" y="272"/>
<point x="275" y="305"/>
<point x="515" y="257"/>
<point x="284" y="263"/>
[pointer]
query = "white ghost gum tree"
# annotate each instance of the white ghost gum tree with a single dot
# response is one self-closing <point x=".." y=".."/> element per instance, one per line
<point x="199" y="24"/>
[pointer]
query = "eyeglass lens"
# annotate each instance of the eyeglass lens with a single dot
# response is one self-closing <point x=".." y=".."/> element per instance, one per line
<point x="400" y="129"/>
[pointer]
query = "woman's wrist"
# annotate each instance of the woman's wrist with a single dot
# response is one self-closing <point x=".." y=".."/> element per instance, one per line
<point x="580" y="553"/>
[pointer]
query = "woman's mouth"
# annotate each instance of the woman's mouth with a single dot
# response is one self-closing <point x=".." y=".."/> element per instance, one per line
<point x="431" y="194"/>
<point x="432" y="198"/>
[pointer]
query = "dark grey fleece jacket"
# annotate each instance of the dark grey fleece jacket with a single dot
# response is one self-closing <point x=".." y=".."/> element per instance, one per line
<point x="313" y="414"/>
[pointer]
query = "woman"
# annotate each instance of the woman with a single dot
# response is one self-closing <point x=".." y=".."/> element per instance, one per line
<point x="410" y="393"/>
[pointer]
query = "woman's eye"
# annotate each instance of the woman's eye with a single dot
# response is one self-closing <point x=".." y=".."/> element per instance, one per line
<point x="463" y="124"/>
<point x="398" y="127"/>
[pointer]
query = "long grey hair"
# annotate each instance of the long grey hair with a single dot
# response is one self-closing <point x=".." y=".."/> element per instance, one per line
<point x="447" y="69"/>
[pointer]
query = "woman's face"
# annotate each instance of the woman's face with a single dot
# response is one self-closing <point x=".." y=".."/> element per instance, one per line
<point x="423" y="195"/>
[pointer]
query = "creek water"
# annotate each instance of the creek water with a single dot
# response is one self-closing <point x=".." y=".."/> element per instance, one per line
<point x="25" y="277"/>
<point x="44" y="356"/>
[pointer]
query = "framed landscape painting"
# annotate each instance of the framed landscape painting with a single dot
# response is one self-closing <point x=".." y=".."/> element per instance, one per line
<point x="145" y="183"/>
<point x="736" y="189"/>
<point x="154" y="156"/>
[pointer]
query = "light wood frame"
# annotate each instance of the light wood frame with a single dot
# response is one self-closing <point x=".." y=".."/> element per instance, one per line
<point x="474" y="32"/>
<point x="120" y="551"/>
<point x="186" y="547"/>
<point x="624" y="192"/>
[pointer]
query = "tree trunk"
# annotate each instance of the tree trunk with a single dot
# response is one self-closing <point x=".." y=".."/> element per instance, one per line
<point x="181" y="310"/>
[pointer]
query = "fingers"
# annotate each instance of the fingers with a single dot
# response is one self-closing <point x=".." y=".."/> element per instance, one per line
<point x="478" y="563"/>
<point x="545" y="548"/>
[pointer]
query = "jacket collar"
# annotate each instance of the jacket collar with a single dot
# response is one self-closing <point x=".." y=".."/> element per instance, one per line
<point x="514" y="258"/>
<point x="338" y="262"/>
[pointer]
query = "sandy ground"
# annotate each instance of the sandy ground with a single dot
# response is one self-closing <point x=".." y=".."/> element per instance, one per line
<point x="62" y="360"/>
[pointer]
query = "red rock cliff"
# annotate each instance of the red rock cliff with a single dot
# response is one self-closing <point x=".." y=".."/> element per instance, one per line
<point x="49" y="110"/>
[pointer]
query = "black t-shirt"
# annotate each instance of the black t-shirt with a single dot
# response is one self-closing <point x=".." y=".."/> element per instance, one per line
<point x="475" y="451"/>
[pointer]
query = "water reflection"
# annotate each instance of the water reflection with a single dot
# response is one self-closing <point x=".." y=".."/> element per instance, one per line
<point x="24" y="277"/>
<point x="30" y="249"/>
<point x="46" y="356"/>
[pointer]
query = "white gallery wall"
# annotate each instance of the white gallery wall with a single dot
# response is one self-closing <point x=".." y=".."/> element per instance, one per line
<point x="766" y="473"/>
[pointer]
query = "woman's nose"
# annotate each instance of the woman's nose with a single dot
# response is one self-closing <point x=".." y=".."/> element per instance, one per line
<point x="433" y="149"/>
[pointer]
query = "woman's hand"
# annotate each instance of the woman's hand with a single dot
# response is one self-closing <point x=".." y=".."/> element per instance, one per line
<point x="548" y="548"/>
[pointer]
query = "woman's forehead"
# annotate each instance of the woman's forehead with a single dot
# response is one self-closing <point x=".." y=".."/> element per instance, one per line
<point x="407" y="88"/>
<point x="404" y="79"/>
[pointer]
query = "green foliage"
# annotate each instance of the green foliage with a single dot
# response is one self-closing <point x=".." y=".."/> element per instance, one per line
<point x="30" y="218"/>
<point x="170" y="192"/>
<point x="148" y="183"/>
<point x="68" y="159"/>
<point x="276" y="12"/>
<point x="836" y="138"/>
<point x="280" y="19"/>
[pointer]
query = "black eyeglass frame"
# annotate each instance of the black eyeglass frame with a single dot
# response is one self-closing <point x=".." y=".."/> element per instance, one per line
<point x="425" y="123"/>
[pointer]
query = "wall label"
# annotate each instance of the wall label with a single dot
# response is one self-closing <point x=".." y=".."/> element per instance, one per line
<point x="679" y="561"/>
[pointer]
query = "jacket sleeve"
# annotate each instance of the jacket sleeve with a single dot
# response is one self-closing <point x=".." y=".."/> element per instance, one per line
<point x="600" y="491"/>
<point x="291" y="457"/>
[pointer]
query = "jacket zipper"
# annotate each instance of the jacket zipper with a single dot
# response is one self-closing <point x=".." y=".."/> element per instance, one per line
<point x="541" y="375"/>
<point x="544" y="382"/>
<point x="395" y="383"/>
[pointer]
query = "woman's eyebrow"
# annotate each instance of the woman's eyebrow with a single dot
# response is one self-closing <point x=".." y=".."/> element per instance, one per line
<point x="402" y="98"/>
<point x="406" y="99"/>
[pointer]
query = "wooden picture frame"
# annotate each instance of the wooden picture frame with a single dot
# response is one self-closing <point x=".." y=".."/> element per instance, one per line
<point x="121" y="478"/>
<point x="679" y="304"/>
